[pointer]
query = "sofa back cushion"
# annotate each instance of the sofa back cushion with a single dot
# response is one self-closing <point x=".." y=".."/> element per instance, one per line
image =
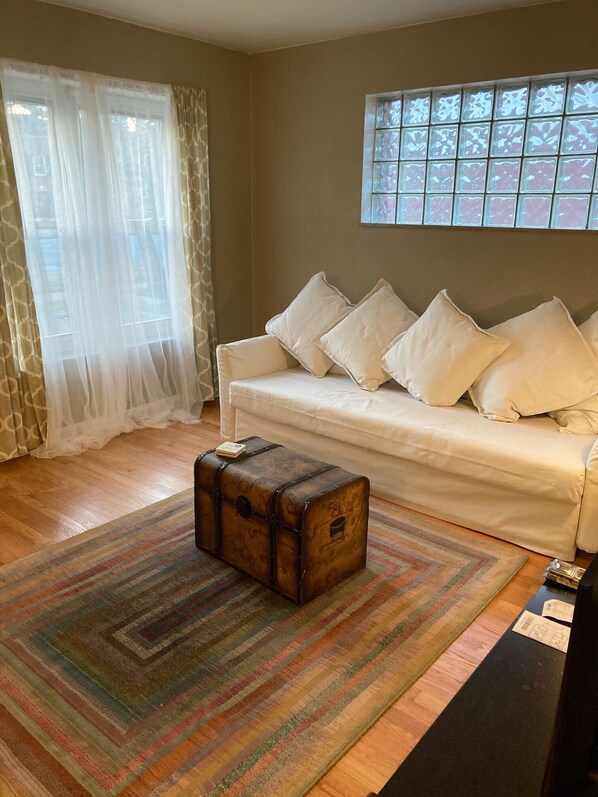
<point x="317" y="306"/>
<point x="357" y="341"/>
<point x="582" y="418"/>
<point x="439" y="357"/>
<point x="549" y="365"/>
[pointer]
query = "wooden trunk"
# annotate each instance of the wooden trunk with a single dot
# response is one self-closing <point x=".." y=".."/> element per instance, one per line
<point x="291" y="522"/>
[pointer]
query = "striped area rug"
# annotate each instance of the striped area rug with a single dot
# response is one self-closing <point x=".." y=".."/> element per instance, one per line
<point x="134" y="664"/>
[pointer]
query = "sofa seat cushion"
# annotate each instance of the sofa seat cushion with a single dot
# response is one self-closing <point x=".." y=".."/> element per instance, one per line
<point x="529" y="456"/>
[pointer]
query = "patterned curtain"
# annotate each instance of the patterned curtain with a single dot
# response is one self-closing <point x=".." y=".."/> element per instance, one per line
<point x="193" y="142"/>
<point x="22" y="391"/>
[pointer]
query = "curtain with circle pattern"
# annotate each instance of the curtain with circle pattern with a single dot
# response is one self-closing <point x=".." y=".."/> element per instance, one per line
<point x="23" y="414"/>
<point x="194" y="180"/>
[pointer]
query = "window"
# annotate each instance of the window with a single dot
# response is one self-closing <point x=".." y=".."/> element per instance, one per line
<point x="97" y="172"/>
<point x="137" y="139"/>
<point x="519" y="153"/>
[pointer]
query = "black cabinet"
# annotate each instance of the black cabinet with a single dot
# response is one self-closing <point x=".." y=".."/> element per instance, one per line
<point x="494" y="736"/>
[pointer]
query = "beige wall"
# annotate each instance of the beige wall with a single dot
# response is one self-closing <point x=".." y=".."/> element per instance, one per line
<point x="48" y="34"/>
<point x="308" y="106"/>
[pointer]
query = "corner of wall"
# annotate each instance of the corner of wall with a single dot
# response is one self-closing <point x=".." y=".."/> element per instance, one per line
<point x="251" y="196"/>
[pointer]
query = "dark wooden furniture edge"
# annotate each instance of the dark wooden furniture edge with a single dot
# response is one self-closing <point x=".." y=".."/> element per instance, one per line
<point x="493" y="738"/>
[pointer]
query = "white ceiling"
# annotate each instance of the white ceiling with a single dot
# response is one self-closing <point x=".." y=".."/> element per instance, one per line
<point x="258" y="25"/>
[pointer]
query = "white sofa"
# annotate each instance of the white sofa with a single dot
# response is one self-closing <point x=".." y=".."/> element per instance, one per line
<point x="523" y="482"/>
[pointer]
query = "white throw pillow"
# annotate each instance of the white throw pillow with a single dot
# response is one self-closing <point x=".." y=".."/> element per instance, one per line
<point x="548" y="365"/>
<point x="439" y="357"/>
<point x="582" y="418"/>
<point x="357" y="341"/>
<point x="314" y="309"/>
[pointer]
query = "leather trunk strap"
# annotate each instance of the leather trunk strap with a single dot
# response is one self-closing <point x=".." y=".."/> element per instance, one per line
<point x="218" y="481"/>
<point x="274" y="504"/>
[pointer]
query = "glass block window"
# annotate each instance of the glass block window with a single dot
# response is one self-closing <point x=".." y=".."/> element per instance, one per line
<point x="517" y="153"/>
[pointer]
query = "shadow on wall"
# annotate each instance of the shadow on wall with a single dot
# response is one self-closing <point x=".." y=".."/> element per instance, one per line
<point x="522" y="304"/>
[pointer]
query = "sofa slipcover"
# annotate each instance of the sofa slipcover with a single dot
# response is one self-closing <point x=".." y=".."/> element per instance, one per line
<point x="523" y="482"/>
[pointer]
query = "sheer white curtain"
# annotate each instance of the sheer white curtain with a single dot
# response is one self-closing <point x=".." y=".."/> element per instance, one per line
<point x="97" y="171"/>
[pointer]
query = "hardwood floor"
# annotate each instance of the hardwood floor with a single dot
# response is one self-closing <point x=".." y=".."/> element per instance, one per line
<point x="44" y="501"/>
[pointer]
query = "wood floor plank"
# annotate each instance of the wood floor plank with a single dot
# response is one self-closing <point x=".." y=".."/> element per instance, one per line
<point x="46" y="500"/>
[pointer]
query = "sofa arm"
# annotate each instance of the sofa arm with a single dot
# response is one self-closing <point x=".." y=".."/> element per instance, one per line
<point x="587" y="530"/>
<point x="242" y="360"/>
